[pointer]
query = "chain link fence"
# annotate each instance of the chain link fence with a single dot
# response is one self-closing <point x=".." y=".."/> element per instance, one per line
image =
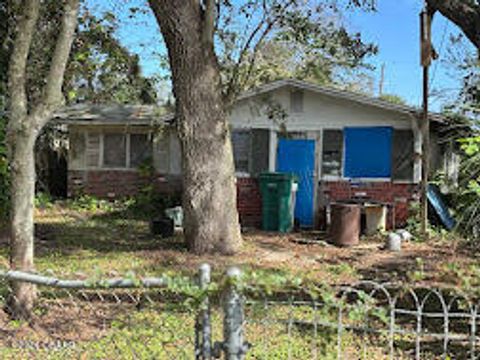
<point x="196" y="318"/>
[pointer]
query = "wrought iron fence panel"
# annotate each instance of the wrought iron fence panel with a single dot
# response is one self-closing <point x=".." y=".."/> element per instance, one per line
<point x="159" y="318"/>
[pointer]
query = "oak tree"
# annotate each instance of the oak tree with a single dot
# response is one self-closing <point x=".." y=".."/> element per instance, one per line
<point x="464" y="13"/>
<point x="197" y="33"/>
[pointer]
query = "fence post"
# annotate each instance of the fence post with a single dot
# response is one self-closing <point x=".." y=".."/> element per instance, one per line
<point x="203" y="326"/>
<point x="234" y="346"/>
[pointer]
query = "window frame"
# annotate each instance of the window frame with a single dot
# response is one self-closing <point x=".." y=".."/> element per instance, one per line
<point x="412" y="177"/>
<point x="101" y="149"/>
<point x="342" y="176"/>
<point x="329" y="177"/>
<point x="249" y="155"/>
<point x="129" y="151"/>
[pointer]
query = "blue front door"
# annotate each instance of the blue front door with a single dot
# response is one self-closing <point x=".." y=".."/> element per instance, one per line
<point x="298" y="157"/>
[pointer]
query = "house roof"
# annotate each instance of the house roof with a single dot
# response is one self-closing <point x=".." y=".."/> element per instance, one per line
<point x="104" y="114"/>
<point x="114" y="114"/>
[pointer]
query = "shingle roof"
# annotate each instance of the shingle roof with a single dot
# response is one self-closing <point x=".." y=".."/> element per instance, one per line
<point x="148" y="114"/>
<point x="113" y="114"/>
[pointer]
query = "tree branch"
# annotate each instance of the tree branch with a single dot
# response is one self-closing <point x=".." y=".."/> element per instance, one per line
<point x="267" y="26"/>
<point x="18" y="62"/>
<point x="52" y="93"/>
<point x="463" y="13"/>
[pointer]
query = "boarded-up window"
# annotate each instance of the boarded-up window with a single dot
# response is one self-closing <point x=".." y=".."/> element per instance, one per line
<point x="241" y="150"/>
<point x="296" y="101"/>
<point x="114" y="150"/>
<point x="402" y="155"/>
<point x="76" y="150"/>
<point x="332" y="152"/>
<point x="368" y="152"/>
<point x="140" y="149"/>
<point x="93" y="150"/>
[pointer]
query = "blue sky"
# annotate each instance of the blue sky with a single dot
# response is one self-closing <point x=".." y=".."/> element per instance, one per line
<point x="394" y="28"/>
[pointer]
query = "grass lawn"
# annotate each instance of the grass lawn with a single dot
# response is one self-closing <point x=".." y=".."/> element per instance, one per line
<point x="112" y="242"/>
<point x="80" y="244"/>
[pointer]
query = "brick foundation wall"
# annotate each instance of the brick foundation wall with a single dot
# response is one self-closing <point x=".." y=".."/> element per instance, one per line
<point x="249" y="202"/>
<point x="115" y="184"/>
<point x="396" y="195"/>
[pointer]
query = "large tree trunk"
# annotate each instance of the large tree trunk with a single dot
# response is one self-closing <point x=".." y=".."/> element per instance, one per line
<point x="465" y="14"/>
<point x="22" y="189"/>
<point x="24" y="124"/>
<point x="209" y="199"/>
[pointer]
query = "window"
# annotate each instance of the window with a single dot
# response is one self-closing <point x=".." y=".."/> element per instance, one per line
<point x="241" y="150"/>
<point x="296" y="101"/>
<point x="77" y="150"/>
<point x="368" y="152"/>
<point x="93" y="150"/>
<point x="332" y="153"/>
<point x="402" y="155"/>
<point x="140" y="149"/>
<point x="114" y="150"/>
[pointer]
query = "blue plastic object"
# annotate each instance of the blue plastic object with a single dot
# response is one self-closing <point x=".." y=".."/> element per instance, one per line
<point x="435" y="199"/>
<point x="368" y="152"/>
<point x="298" y="157"/>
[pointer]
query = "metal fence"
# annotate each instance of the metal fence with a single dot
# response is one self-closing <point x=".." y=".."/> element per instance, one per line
<point x="166" y="318"/>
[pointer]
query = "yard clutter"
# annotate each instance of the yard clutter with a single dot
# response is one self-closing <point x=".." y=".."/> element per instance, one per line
<point x="394" y="242"/>
<point x="278" y="201"/>
<point x="345" y="226"/>
<point x="376" y="218"/>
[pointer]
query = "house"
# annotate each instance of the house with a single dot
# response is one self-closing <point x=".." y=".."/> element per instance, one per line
<point x="342" y="145"/>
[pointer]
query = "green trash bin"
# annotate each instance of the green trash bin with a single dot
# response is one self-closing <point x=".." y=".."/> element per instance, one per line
<point x="278" y="201"/>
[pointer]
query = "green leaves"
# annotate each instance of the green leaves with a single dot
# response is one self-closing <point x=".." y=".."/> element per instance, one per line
<point x="101" y="69"/>
<point x="262" y="42"/>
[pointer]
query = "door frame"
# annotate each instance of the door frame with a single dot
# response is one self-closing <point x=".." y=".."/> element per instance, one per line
<point x="316" y="136"/>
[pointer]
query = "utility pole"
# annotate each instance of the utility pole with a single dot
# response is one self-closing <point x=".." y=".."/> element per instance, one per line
<point x="382" y="80"/>
<point x="426" y="59"/>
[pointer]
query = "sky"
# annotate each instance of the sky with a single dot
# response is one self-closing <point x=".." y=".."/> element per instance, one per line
<point x="394" y="27"/>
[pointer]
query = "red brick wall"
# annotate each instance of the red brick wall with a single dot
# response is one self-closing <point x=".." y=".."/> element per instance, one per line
<point x="396" y="195"/>
<point x="249" y="202"/>
<point x="115" y="183"/>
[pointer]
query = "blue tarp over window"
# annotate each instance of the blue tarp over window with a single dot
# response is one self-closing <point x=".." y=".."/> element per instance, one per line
<point x="368" y="152"/>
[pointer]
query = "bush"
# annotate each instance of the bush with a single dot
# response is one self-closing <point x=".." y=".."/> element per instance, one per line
<point x="43" y="201"/>
<point x="90" y="203"/>
<point x="151" y="203"/>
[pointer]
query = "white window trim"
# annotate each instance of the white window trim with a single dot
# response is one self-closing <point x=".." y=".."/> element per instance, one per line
<point x="101" y="166"/>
